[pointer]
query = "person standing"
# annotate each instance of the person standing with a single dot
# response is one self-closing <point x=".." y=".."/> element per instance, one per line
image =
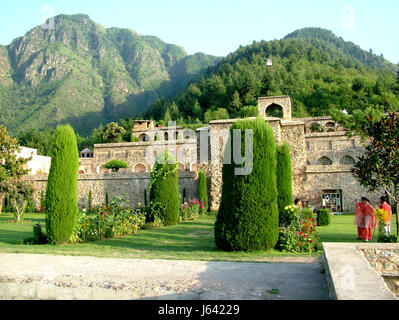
<point x="384" y="205"/>
<point x="365" y="219"/>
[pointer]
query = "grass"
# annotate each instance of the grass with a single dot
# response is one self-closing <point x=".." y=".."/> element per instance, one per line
<point x="187" y="241"/>
<point x="342" y="229"/>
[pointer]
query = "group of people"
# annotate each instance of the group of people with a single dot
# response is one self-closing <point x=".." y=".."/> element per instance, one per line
<point x="365" y="219"/>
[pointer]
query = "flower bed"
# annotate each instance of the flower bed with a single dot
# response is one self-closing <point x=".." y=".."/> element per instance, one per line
<point x="191" y="210"/>
<point x="103" y="222"/>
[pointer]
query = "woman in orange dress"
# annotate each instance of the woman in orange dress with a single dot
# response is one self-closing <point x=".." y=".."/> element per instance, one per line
<point x="365" y="219"/>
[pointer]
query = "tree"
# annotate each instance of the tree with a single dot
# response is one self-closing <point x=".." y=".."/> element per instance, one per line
<point x="248" y="214"/>
<point x="378" y="168"/>
<point x="167" y="117"/>
<point x="133" y="138"/>
<point x="202" y="190"/>
<point x="19" y="191"/>
<point x="61" y="204"/>
<point x="218" y="114"/>
<point x="164" y="187"/>
<point x="284" y="179"/>
<point x="115" y="165"/>
<point x="11" y="167"/>
<point x="113" y="133"/>
<point x="40" y="140"/>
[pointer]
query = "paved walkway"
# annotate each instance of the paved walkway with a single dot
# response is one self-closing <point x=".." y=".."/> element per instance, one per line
<point x="29" y="276"/>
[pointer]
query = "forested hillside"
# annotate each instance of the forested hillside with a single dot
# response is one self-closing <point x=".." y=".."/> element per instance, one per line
<point x="320" y="71"/>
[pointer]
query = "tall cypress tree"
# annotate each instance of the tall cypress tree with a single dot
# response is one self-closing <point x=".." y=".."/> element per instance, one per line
<point x="164" y="187"/>
<point x="202" y="190"/>
<point x="284" y="179"/>
<point x="248" y="214"/>
<point x="61" y="204"/>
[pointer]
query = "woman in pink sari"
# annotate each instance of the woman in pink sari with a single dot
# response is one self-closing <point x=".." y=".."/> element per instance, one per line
<point x="365" y="219"/>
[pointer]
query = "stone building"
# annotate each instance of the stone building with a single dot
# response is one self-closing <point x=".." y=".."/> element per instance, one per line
<point x="322" y="158"/>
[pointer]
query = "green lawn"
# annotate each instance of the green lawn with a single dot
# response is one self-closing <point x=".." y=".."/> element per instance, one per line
<point x="342" y="229"/>
<point x="190" y="240"/>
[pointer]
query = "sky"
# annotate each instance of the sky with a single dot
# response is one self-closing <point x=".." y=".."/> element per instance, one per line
<point x="219" y="27"/>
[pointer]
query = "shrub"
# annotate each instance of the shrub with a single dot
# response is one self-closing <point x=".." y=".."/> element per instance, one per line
<point x="115" y="165"/>
<point x="202" y="191"/>
<point x="191" y="210"/>
<point x="164" y="187"/>
<point x="90" y="200"/>
<point x="284" y="180"/>
<point x="323" y="217"/>
<point x="106" y="199"/>
<point x="61" y="204"/>
<point x="133" y="138"/>
<point x="300" y="238"/>
<point x="42" y="200"/>
<point x="291" y="216"/>
<point x="248" y="214"/>
<point x="38" y="236"/>
<point x="308" y="214"/>
<point x="108" y="222"/>
<point x="386" y="238"/>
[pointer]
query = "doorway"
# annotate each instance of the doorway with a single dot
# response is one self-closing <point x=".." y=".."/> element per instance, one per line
<point x="332" y="200"/>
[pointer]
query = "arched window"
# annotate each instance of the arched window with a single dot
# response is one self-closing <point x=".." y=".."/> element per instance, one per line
<point x="324" y="161"/>
<point x="140" y="168"/>
<point x="166" y="136"/>
<point x="347" y="160"/>
<point x="144" y="137"/>
<point x="274" y="110"/>
<point x="330" y="126"/>
<point x="176" y="135"/>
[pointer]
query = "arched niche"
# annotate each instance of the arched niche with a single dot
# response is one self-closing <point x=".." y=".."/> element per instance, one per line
<point x="347" y="160"/>
<point x="324" y="161"/>
<point x="140" y="168"/>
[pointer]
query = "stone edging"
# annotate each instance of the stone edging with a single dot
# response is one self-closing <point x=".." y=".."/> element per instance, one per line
<point x="350" y="276"/>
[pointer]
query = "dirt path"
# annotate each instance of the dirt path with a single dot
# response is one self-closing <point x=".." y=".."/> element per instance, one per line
<point x="28" y="276"/>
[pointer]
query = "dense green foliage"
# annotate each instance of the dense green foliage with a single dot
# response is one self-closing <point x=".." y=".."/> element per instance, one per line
<point x="202" y="190"/>
<point x="115" y="165"/>
<point x="323" y="217"/>
<point x="84" y="74"/>
<point x="61" y="205"/>
<point x="284" y="179"/>
<point x="248" y="214"/>
<point x="164" y="187"/>
<point x="317" y="69"/>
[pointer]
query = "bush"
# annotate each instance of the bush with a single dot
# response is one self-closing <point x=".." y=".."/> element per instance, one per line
<point x="290" y="216"/>
<point x="191" y="210"/>
<point x="38" y="236"/>
<point x="284" y="180"/>
<point x="323" y="217"/>
<point x="248" y="214"/>
<point x="133" y="138"/>
<point x="164" y="187"/>
<point x="61" y="205"/>
<point x="202" y="191"/>
<point x="115" y="165"/>
<point x="386" y="238"/>
<point x="108" y="222"/>
<point x="308" y="214"/>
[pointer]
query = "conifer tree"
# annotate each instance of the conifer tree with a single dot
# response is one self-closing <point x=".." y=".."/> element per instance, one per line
<point x="61" y="204"/>
<point x="248" y="214"/>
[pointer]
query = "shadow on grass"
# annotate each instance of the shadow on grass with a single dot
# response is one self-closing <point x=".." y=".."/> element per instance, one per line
<point x="11" y="237"/>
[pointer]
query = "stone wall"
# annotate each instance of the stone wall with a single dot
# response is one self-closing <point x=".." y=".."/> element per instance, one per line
<point x="116" y="184"/>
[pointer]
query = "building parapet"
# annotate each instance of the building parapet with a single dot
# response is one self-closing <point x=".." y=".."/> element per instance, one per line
<point x="334" y="168"/>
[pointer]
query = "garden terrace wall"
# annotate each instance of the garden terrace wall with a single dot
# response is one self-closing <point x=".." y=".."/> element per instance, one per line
<point x="116" y="184"/>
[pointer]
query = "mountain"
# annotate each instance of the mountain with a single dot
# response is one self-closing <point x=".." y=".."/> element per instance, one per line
<point x="84" y="74"/>
<point x="320" y="71"/>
